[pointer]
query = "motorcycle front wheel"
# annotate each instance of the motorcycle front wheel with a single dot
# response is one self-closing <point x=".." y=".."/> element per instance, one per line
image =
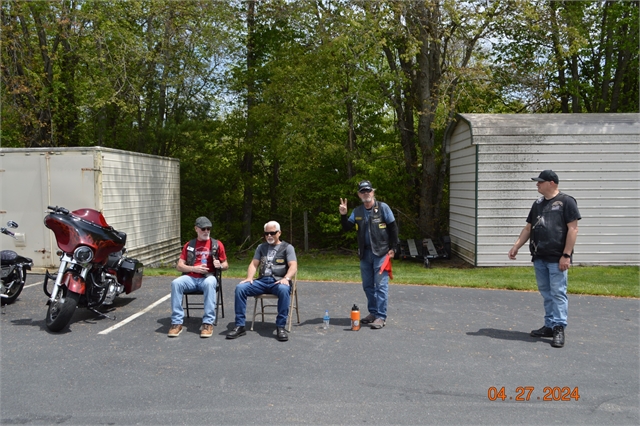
<point x="14" y="292"/>
<point x="61" y="309"/>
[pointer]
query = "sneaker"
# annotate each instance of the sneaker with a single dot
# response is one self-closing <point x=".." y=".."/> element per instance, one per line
<point x="175" y="330"/>
<point x="206" y="330"/>
<point x="558" y="336"/>
<point x="378" y="323"/>
<point x="368" y="319"/>
<point x="543" y="331"/>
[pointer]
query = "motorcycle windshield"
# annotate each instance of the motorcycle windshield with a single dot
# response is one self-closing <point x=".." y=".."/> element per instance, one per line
<point x="88" y="228"/>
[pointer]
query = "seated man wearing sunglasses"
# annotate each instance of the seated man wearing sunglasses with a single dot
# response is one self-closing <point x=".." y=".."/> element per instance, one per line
<point x="277" y="264"/>
<point x="197" y="262"/>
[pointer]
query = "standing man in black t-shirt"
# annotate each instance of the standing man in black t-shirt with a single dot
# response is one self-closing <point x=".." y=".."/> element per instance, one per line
<point x="552" y="229"/>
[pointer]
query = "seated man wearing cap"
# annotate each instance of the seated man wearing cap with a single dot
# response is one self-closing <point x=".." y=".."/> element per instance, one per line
<point x="197" y="262"/>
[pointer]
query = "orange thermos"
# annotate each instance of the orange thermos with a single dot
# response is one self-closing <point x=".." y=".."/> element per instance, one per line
<point x="355" y="318"/>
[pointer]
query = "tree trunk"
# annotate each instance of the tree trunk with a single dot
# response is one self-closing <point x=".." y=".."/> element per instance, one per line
<point x="273" y="188"/>
<point x="44" y="136"/>
<point x="608" y="52"/>
<point x="247" y="161"/>
<point x="428" y="78"/>
<point x="575" y="80"/>
<point x="624" y="56"/>
<point x="557" y="49"/>
<point x="402" y="98"/>
<point x="68" y="114"/>
<point x="351" y="133"/>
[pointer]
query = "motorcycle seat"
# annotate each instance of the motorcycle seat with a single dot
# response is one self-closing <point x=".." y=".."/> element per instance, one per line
<point x="8" y="256"/>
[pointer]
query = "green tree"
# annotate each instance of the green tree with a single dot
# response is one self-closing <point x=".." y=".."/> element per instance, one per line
<point x="39" y="68"/>
<point x="565" y="56"/>
<point x="431" y="47"/>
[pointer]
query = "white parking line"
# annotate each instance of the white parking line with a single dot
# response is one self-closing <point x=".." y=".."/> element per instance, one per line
<point x="31" y="285"/>
<point x="134" y="316"/>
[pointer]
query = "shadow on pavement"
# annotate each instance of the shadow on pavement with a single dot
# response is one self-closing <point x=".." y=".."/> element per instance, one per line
<point x="495" y="333"/>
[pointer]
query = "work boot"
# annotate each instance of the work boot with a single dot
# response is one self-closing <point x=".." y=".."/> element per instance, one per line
<point x="175" y="330"/>
<point x="206" y="330"/>
<point x="368" y="319"/>
<point x="282" y="335"/>
<point x="558" y="336"/>
<point x="542" y="332"/>
<point x="236" y="332"/>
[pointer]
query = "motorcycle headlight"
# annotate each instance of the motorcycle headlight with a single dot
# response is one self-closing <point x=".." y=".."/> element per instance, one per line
<point x="83" y="254"/>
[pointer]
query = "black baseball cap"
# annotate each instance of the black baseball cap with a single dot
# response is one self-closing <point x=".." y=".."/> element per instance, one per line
<point x="547" y="176"/>
<point x="365" y="185"/>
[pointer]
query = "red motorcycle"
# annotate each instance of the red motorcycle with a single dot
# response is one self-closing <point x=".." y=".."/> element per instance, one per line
<point x="93" y="270"/>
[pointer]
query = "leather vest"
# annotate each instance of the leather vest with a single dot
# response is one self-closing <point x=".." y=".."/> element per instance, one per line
<point x="279" y="265"/>
<point x="191" y="251"/>
<point x="377" y="230"/>
<point x="548" y="228"/>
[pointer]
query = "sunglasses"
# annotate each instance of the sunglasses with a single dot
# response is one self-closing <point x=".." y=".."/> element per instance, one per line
<point x="206" y="229"/>
<point x="270" y="233"/>
<point x="365" y="191"/>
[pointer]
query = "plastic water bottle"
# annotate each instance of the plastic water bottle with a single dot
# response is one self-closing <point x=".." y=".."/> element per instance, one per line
<point x="325" y="320"/>
<point x="203" y="260"/>
<point x="355" y="318"/>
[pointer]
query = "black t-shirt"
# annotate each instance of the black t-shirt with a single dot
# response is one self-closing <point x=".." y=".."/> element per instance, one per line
<point x="569" y="209"/>
<point x="561" y="203"/>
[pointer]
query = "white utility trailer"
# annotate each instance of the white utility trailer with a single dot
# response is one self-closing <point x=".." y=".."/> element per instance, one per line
<point x="137" y="193"/>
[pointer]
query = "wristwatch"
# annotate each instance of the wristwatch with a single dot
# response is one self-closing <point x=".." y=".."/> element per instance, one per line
<point x="568" y="256"/>
<point x="288" y="279"/>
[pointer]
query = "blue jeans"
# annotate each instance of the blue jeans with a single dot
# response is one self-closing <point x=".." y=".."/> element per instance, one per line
<point x="375" y="284"/>
<point x="552" y="284"/>
<point x="187" y="284"/>
<point x="264" y="285"/>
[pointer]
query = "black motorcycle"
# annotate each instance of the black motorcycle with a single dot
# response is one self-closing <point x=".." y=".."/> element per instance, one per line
<point x="14" y="270"/>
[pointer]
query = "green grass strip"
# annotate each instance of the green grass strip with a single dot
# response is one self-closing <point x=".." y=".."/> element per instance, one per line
<point x="619" y="281"/>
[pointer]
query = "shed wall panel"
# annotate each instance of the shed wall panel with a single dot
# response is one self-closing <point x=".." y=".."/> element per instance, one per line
<point x="462" y="210"/>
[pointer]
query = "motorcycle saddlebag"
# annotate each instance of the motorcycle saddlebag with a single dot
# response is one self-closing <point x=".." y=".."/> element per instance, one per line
<point x="130" y="274"/>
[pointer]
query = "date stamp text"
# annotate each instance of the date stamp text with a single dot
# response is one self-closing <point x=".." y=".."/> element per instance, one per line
<point x="526" y="393"/>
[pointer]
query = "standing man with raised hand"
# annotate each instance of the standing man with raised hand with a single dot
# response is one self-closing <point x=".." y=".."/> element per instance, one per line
<point x="552" y="229"/>
<point x="377" y="238"/>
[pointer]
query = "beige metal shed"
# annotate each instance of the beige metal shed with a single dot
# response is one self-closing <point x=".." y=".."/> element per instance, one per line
<point x="494" y="156"/>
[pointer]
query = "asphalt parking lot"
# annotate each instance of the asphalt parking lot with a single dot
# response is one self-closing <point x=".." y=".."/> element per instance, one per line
<point x="444" y="357"/>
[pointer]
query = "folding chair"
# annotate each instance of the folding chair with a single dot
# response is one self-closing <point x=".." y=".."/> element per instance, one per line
<point x="200" y="305"/>
<point x="293" y="304"/>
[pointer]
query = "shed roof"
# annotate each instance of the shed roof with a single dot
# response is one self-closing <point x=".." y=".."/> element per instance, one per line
<point x="550" y="124"/>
